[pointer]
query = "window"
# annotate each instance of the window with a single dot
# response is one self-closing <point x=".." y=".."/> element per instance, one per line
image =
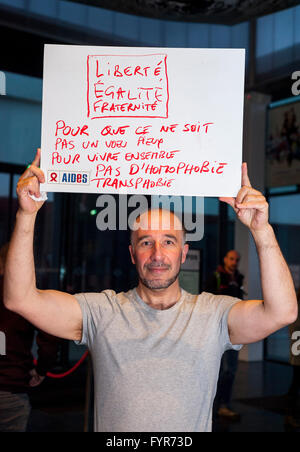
<point x="277" y="40"/>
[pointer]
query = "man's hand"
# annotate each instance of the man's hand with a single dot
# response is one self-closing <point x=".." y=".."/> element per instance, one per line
<point x="29" y="183"/>
<point x="250" y="205"/>
<point x="36" y="379"/>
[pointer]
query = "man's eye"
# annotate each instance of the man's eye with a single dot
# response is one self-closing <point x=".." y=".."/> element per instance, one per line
<point x="169" y="242"/>
<point x="146" y="243"/>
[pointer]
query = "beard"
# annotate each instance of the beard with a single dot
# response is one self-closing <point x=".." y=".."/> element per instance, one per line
<point x="157" y="284"/>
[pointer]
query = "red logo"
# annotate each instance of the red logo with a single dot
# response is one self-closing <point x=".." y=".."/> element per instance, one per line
<point x="53" y="177"/>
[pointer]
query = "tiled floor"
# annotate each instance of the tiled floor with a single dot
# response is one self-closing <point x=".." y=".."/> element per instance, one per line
<point x="258" y="396"/>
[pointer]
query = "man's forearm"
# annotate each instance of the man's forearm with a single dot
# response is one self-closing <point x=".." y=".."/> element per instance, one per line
<point x="19" y="280"/>
<point x="277" y="284"/>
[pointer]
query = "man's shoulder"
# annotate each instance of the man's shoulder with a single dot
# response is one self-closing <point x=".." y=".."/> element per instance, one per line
<point x="209" y="302"/>
<point x="121" y="298"/>
<point x="104" y="299"/>
<point x="197" y="301"/>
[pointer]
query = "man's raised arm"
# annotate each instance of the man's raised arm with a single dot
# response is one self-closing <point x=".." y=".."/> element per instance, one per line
<point x="54" y="312"/>
<point x="251" y="321"/>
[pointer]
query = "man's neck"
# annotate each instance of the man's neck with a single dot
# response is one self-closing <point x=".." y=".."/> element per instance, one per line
<point x="160" y="299"/>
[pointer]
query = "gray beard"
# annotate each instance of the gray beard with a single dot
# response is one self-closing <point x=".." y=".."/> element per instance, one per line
<point x="157" y="285"/>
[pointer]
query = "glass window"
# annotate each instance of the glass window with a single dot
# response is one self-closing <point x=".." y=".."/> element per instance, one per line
<point x="220" y="36"/>
<point x="20" y="129"/>
<point x="175" y="34"/>
<point x="264" y="36"/>
<point x="283" y="29"/>
<point x="4" y="185"/>
<point x="126" y="26"/>
<point x="46" y="7"/>
<point x="23" y="87"/>
<point x="98" y="260"/>
<point x="240" y="36"/>
<point x="283" y="37"/>
<point x="198" y="35"/>
<point x="264" y="43"/>
<point x="101" y="19"/>
<point x="209" y="243"/>
<point x="277" y="39"/>
<point x="278" y="346"/>
<point x="297" y="33"/>
<point x="151" y="31"/>
<point x="15" y="3"/>
<point x="75" y="13"/>
<point x="4" y="203"/>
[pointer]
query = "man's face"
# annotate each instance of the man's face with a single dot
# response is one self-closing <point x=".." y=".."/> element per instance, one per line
<point x="231" y="261"/>
<point x="158" y="252"/>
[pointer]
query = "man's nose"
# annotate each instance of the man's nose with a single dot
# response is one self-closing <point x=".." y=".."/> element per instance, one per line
<point x="157" y="251"/>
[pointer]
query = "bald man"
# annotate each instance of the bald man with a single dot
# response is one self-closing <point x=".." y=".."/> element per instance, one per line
<point x="156" y="349"/>
<point x="227" y="280"/>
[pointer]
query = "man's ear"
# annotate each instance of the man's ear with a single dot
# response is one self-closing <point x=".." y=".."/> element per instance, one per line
<point x="131" y="254"/>
<point x="186" y="248"/>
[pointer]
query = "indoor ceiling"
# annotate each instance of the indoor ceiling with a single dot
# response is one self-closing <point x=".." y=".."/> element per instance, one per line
<point x="228" y="12"/>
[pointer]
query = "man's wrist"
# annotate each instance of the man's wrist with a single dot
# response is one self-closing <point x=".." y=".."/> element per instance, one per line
<point x="23" y="214"/>
<point x="25" y="222"/>
<point x="264" y="237"/>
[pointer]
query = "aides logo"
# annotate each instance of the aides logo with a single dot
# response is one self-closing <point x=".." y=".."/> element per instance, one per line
<point x="74" y="178"/>
<point x="68" y="177"/>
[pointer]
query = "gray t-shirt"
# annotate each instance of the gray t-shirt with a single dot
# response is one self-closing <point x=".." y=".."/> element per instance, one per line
<point x="155" y="370"/>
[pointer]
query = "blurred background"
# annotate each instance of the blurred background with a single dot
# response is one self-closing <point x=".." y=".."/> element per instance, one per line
<point x="72" y="255"/>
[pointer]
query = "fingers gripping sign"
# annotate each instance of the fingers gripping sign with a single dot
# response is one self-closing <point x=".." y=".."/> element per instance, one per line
<point x="250" y="205"/>
<point x="28" y="187"/>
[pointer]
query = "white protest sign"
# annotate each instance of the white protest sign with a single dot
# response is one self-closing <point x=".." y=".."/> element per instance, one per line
<point x="142" y="120"/>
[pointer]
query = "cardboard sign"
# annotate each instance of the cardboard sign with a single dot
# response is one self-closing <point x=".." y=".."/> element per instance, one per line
<point x="142" y="121"/>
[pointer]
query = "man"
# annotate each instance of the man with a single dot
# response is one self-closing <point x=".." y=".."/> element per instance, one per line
<point x="156" y="349"/>
<point x="17" y="372"/>
<point x="227" y="280"/>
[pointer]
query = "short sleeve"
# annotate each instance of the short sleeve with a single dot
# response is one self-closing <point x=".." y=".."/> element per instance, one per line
<point x="96" y="308"/>
<point x="226" y="305"/>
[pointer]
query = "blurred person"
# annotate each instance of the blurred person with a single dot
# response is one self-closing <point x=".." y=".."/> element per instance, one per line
<point x="293" y="418"/>
<point x="17" y="372"/>
<point x="156" y="349"/>
<point x="227" y="280"/>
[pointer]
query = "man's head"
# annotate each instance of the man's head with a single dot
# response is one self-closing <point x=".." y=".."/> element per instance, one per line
<point x="231" y="261"/>
<point x="3" y="255"/>
<point x="158" y="248"/>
